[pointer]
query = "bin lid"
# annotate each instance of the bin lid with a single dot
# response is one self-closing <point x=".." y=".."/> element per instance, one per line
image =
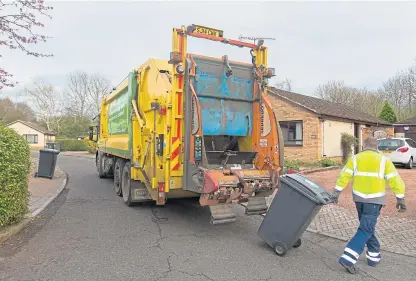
<point x="49" y="150"/>
<point x="308" y="188"/>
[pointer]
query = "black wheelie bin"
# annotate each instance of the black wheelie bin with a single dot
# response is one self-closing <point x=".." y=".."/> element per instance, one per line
<point x="47" y="163"/>
<point x="294" y="206"/>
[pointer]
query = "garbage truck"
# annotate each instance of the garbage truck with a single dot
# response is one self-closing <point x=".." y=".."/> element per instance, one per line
<point x="193" y="126"/>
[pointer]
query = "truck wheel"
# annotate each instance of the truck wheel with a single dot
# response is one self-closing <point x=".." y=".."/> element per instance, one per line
<point x="125" y="184"/>
<point x="118" y="171"/>
<point x="100" y="165"/>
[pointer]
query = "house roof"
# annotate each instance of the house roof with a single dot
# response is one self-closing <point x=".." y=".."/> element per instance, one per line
<point x="327" y="108"/>
<point x="408" y="121"/>
<point x="34" y="127"/>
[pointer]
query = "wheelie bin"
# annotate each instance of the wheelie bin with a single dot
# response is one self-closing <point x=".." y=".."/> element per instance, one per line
<point x="47" y="163"/>
<point x="297" y="201"/>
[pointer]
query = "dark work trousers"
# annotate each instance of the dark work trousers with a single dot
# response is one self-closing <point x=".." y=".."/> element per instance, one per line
<point x="365" y="235"/>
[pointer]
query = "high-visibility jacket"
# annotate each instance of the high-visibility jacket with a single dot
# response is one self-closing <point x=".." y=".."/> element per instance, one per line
<point x="369" y="170"/>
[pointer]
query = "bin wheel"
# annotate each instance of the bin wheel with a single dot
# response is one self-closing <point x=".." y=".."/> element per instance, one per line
<point x="280" y="248"/>
<point x="298" y="243"/>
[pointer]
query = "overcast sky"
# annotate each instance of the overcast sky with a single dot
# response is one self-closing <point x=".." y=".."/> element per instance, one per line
<point x="361" y="43"/>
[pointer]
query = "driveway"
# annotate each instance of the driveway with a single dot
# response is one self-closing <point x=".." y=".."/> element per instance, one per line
<point x="88" y="233"/>
<point x="395" y="230"/>
<point x="329" y="178"/>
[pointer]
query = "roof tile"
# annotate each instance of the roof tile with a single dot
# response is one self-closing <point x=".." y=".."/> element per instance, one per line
<point x="328" y="108"/>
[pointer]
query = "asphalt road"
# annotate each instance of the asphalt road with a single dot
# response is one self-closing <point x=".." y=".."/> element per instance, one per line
<point x="88" y="233"/>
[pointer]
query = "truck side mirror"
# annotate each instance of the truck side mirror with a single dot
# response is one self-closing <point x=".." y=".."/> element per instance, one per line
<point x="91" y="133"/>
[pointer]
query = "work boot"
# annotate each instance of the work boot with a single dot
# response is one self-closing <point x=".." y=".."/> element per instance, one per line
<point x="350" y="268"/>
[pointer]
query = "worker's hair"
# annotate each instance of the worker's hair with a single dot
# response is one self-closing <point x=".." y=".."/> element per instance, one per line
<point x="371" y="142"/>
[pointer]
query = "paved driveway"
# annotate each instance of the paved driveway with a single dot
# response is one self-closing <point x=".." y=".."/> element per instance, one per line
<point x="89" y="234"/>
<point x="329" y="178"/>
<point x="396" y="231"/>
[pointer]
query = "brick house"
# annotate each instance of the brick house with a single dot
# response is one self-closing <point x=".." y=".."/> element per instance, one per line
<point x="406" y="128"/>
<point x="312" y="127"/>
<point x="35" y="136"/>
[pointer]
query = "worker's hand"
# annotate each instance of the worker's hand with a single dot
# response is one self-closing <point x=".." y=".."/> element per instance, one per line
<point x="401" y="205"/>
<point x="335" y="196"/>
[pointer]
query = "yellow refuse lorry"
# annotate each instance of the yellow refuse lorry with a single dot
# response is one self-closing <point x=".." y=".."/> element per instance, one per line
<point x="193" y="126"/>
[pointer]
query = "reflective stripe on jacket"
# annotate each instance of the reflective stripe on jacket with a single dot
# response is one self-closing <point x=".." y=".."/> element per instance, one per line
<point x="369" y="171"/>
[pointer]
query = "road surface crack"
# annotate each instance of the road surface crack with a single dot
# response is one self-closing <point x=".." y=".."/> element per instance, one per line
<point x="157" y="219"/>
<point x="195" y="275"/>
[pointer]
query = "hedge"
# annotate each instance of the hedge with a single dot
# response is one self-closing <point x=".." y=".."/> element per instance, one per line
<point x="14" y="176"/>
<point x="91" y="146"/>
<point x="72" y="145"/>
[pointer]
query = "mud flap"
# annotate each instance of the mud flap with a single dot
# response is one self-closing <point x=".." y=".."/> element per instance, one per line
<point x="256" y="206"/>
<point x="139" y="192"/>
<point x="222" y="213"/>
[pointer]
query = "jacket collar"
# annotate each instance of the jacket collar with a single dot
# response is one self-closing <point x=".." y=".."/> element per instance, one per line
<point x="371" y="149"/>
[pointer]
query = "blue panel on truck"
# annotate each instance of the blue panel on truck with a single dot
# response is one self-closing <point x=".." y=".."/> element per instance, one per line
<point x="221" y="117"/>
<point x="226" y="102"/>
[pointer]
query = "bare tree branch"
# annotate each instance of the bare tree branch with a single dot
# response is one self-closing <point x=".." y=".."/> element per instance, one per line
<point x="285" y="85"/>
<point x="367" y="101"/>
<point x="76" y="94"/>
<point x="17" y="22"/>
<point x="84" y="93"/>
<point x="47" y="102"/>
<point x="98" y="88"/>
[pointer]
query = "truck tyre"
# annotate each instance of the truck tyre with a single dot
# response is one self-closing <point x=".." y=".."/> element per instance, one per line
<point x="100" y="165"/>
<point x="126" y="184"/>
<point x="118" y="171"/>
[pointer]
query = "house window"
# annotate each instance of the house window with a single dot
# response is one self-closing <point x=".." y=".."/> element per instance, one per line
<point x="292" y="132"/>
<point x="32" y="139"/>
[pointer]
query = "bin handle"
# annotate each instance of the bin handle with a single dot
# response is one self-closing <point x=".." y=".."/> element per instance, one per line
<point x="318" y="198"/>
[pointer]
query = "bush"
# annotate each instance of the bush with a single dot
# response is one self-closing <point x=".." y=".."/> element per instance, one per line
<point x="347" y="143"/>
<point x="72" y="145"/>
<point x="14" y="172"/>
<point x="327" y="162"/>
<point x="293" y="164"/>
<point x="91" y="146"/>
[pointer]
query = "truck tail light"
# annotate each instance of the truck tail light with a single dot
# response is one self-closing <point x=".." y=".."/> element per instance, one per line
<point x="403" y="149"/>
<point x="163" y="110"/>
<point x="161" y="193"/>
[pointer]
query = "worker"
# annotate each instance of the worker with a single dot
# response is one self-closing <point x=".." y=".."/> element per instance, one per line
<point x="370" y="170"/>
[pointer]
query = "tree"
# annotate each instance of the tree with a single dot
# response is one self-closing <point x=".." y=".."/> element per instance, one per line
<point x="387" y="113"/>
<point x="76" y="94"/>
<point x="99" y="87"/>
<point x="394" y="93"/>
<point x="365" y="100"/>
<point x="82" y="99"/>
<point x="11" y="111"/>
<point x="285" y="85"/>
<point x="336" y="91"/>
<point x="84" y="93"/>
<point x="47" y="101"/>
<point x="17" y="30"/>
